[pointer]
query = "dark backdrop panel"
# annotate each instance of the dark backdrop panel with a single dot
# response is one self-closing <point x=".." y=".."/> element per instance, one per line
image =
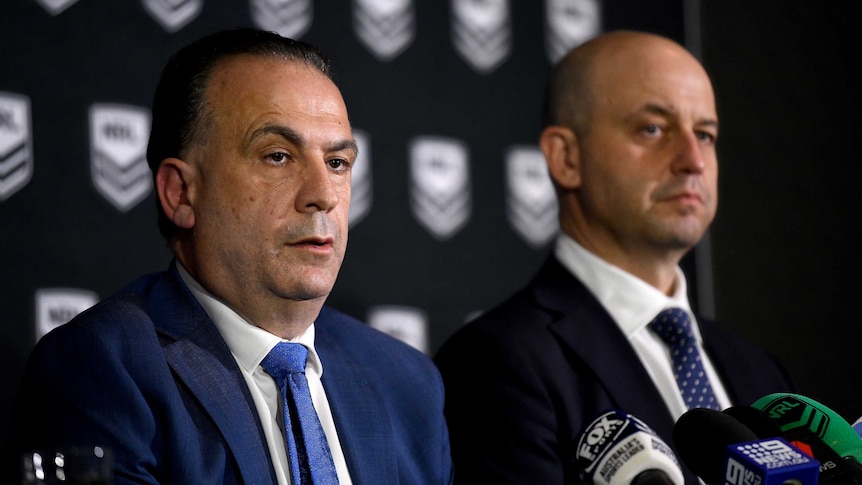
<point x="786" y="240"/>
<point x="58" y="231"/>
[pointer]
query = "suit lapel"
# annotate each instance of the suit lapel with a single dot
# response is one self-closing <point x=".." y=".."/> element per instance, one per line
<point x="363" y="426"/>
<point x="198" y="355"/>
<point x="584" y="326"/>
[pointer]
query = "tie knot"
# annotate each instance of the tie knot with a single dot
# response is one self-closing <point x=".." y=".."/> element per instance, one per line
<point x="284" y="359"/>
<point x="673" y="326"/>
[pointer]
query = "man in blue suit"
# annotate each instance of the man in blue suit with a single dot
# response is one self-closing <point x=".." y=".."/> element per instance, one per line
<point x="251" y="151"/>
<point x="629" y="139"/>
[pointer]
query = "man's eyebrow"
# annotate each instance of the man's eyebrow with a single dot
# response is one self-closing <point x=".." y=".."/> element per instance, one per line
<point x="280" y="130"/>
<point x="664" y="111"/>
<point x="347" y="144"/>
<point x="294" y="137"/>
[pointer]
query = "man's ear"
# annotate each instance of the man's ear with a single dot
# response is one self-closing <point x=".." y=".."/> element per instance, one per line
<point x="173" y="181"/>
<point x="562" y="152"/>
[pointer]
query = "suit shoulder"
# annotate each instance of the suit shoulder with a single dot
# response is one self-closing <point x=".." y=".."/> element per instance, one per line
<point x="121" y="317"/>
<point x="353" y="333"/>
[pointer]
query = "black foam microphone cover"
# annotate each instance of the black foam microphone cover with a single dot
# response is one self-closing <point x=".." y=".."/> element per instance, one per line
<point x="756" y="420"/>
<point x="702" y="437"/>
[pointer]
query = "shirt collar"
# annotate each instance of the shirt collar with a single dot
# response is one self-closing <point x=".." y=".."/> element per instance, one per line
<point x="248" y="343"/>
<point x="630" y="301"/>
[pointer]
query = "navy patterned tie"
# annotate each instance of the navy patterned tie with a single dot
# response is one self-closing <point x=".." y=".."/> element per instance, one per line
<point x="307" y="449"/>
<point x="674" y="328"/>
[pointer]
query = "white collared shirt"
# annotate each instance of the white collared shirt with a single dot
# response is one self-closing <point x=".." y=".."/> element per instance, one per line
<point x="249" y="345"/>
<point x="633" y="304"/>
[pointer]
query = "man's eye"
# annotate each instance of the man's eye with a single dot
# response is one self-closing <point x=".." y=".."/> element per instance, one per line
<point x="338" y="164"/>
<point x="278" y="157"/>
<point x="652" y="129"/>
<point x="706" y="136"/>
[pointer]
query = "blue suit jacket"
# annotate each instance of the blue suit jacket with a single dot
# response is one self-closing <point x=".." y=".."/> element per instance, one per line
<point x="147" y="374"/>
<point x="548" y="361"/>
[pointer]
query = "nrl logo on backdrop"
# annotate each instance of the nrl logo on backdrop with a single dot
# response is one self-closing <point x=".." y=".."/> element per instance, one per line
<point x="118" y="153"/>
<point x="55" y="7"/>
<point x="56" y="306"/>
<point x="440" y="184"/>
<point x="385" y="27"/>
<point x="173" y="14"/>
<point x="408" y="324"/>
<point x="531" y="203"/>
<point x="16" y="143"/>
<point x="290" y="18"/>
<point x="481" y="32"/>
<point x="569" y="24"/>
<point x="360" y="180"/>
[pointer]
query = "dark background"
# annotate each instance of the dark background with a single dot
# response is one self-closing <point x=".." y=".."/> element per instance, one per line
<point x="780" y="264"/>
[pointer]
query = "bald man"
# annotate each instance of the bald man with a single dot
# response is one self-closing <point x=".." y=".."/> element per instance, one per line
<point x="629" y="136"/>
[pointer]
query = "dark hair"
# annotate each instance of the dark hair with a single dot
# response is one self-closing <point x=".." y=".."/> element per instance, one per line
<point x="178" y="114"/>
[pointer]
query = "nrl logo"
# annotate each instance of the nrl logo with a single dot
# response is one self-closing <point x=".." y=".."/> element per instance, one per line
<point x="55" y="7"/>
<point x="481" y="32"/>
<point x="385" y="27"/>
<point x="360" y="180"/>
<point x="16" y="143"/>
<point x="408" y="324"/>
<point x="290" y="18"/>
<point x="173" y="14"/>
<point x="531" y="203"/>
<point x="440" y="185"/>
<point x="56" y="306"/>
<point x="569" y="24"/>
<point x="118" y="148"/>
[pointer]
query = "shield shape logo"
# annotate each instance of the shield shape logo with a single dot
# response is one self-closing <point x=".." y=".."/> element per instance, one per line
<point x="569" y="23"/>
<point x="173" y="15"/>
<point x="385" y="27"/>
<point x="531" y="203"/>
<point x="56" y="306"/>
<point x="55" y="7"/>
<point x="408" y="324"/>
<point x="482" y="32"/>
<point x="440" y="184"/>
<point x="360" y="180"/>
<point x="290" y="18"/>
<point x="16" y="143"/>
<point x="118" y="148"/>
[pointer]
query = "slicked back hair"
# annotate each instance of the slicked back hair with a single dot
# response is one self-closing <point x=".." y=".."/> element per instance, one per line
<point x="179" y="105"/>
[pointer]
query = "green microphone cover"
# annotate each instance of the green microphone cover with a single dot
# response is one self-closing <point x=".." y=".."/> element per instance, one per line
<point x="792" y="411"/>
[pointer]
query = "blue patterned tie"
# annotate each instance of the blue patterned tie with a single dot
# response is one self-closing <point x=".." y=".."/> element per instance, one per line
<point x="307" y="449"/>
<point x="674" y="328"/>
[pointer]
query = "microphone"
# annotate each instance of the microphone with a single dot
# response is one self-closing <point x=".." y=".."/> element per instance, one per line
<point x="792" y="411"/>
<point x="833" y="468"/>
<point x="619" y="449"/>
<point x="702" y="436"/>
<point x="769" y="461"/>
<point x="722" y="451"/>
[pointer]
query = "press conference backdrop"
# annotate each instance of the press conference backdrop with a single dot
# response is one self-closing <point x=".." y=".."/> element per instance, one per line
<point x="452" y="207"/>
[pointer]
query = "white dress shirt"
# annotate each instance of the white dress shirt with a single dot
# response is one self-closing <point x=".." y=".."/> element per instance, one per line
<point x="633" y="304"/>
<point x="249" y="345"/>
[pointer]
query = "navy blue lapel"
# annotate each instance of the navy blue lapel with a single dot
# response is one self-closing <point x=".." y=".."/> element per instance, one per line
<point x="589" y="331"/>
<point x="198" y="355"/>
<point x="363" y="426"/>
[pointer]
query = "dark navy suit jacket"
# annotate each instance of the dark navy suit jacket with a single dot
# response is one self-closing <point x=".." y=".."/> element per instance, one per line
<point x="147" y="374"/>
<point x="523" y="380"/>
